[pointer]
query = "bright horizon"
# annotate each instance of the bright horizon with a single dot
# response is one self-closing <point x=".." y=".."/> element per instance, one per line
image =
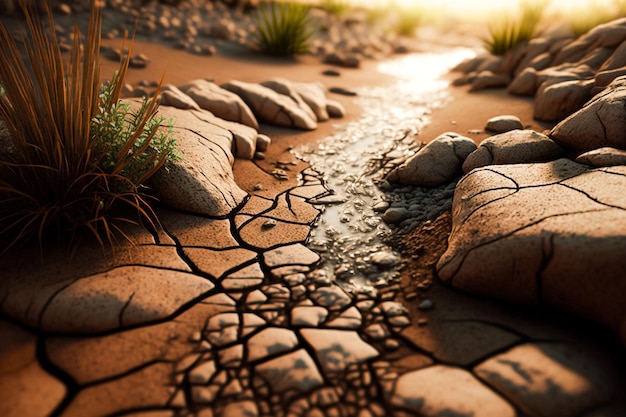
<point x="485" y="6"/>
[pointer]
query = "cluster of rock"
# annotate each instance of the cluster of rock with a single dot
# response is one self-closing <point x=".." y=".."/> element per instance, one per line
<point x="561" y="73"/>
<point x="530" y="225"/>
<point x="202" y="27"/>
<point x="213" y="124"/>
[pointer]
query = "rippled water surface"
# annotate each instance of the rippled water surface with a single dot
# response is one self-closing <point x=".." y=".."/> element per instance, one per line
<point x="351" y="235"/>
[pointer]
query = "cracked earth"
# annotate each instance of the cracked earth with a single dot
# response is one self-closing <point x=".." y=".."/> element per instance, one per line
<point x="242" y="315"/>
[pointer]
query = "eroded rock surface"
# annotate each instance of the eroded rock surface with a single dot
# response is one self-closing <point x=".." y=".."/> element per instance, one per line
<point x="535" y="233"/>
<point x="202" y="181"/>
<point x="272" y="107"/>
<point x="598" y="124"/>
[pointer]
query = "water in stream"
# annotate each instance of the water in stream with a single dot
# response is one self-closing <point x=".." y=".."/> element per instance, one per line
<point x="351" y="235"/>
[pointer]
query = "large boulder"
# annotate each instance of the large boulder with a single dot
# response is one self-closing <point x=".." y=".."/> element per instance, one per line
<point x="514" y="147"/>
<point x="270" y="106"/>
<point x="435" y="164"/>
<point x="551" y="233"/>
<point x="202" y="181"/>
<point x="220" y="102"/>
<point x="600" y="123"/>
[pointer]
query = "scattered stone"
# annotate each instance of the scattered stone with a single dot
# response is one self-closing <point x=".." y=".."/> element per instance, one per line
<point x="395" y="215"/>
<point x="425" y="304"/>
<point x="385" y="259"/>
<point x="220" y="102"/>
<point x="335" y="109"/>
<point x="514" y="147"/>
<point x="343" y="60"/>
<point x="342" y="91"/>
<point x="437" y="163"/>
<point x="331" y="73"/>
<point x="271" y="106"/>
<point x="502" y="124"/>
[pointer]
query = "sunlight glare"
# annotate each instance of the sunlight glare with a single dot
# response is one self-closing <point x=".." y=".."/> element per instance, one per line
<point x="484" y="7"/>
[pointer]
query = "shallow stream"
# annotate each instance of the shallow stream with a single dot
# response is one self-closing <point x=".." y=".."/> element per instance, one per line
<point x="352" y="234"/>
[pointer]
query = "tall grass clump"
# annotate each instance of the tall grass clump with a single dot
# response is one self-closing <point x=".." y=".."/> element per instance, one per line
<point x="335" y="7"/>
<point x="583" y="19"/>
<point x="283" y="28"/>
<point x="408" y="19"/>
<point x="80" y="155"/>
<point x="505" y="34"/>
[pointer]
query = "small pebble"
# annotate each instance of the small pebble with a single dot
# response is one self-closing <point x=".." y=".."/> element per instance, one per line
<point x="425" y="304"/>
<point x="331" y="73"/>
<point x="269" y="224"/>
<point x="342" y="91"/>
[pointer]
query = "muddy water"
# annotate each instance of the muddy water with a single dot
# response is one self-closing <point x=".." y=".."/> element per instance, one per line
<point x="350" y="235"/>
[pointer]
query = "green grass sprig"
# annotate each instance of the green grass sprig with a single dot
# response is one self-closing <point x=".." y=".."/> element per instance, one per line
<point x="283" y="28"/>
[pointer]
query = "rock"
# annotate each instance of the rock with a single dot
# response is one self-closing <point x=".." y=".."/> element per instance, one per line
<point x="343" y="91"/>
<point x="436" y="163"/>
<point x="442" y="390"/>
<point x="172" y="96"/>
<point x="342" y="60"/>
<point x="515" y="147"/>
<point x="285" y="87"/>
<point x="598" y="124"/>
<point x="314" y="95"/>
<point x="262" y="142"/>
<point x="525" y="83"/>
<point x="603" y="157"/>
<point x="395" y="215"/>
<point x="505" y="123"/>
<point x="335" y="109"/>
<point x="202" y="182"/>
<point x="220" y="102"/>
<point x="270" y="106"/>
<point x="535" y="233"/>
<point x="537" y="47"/>
<point x="608" y="35"/>
<point x="488" y="79"/>
<point x="554" y="102"/>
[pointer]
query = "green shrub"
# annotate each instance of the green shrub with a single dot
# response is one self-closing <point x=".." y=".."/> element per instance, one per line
<point x="581" y="20"/>
<point x="335" y="7"/>
<point x="506" y="34"/>
<point x="282" y="28"/>
<point x="408" y="20"/>
<point x="80" y="157"/>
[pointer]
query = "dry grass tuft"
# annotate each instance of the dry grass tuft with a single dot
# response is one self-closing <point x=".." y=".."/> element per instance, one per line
<point x="79" y="157"/>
